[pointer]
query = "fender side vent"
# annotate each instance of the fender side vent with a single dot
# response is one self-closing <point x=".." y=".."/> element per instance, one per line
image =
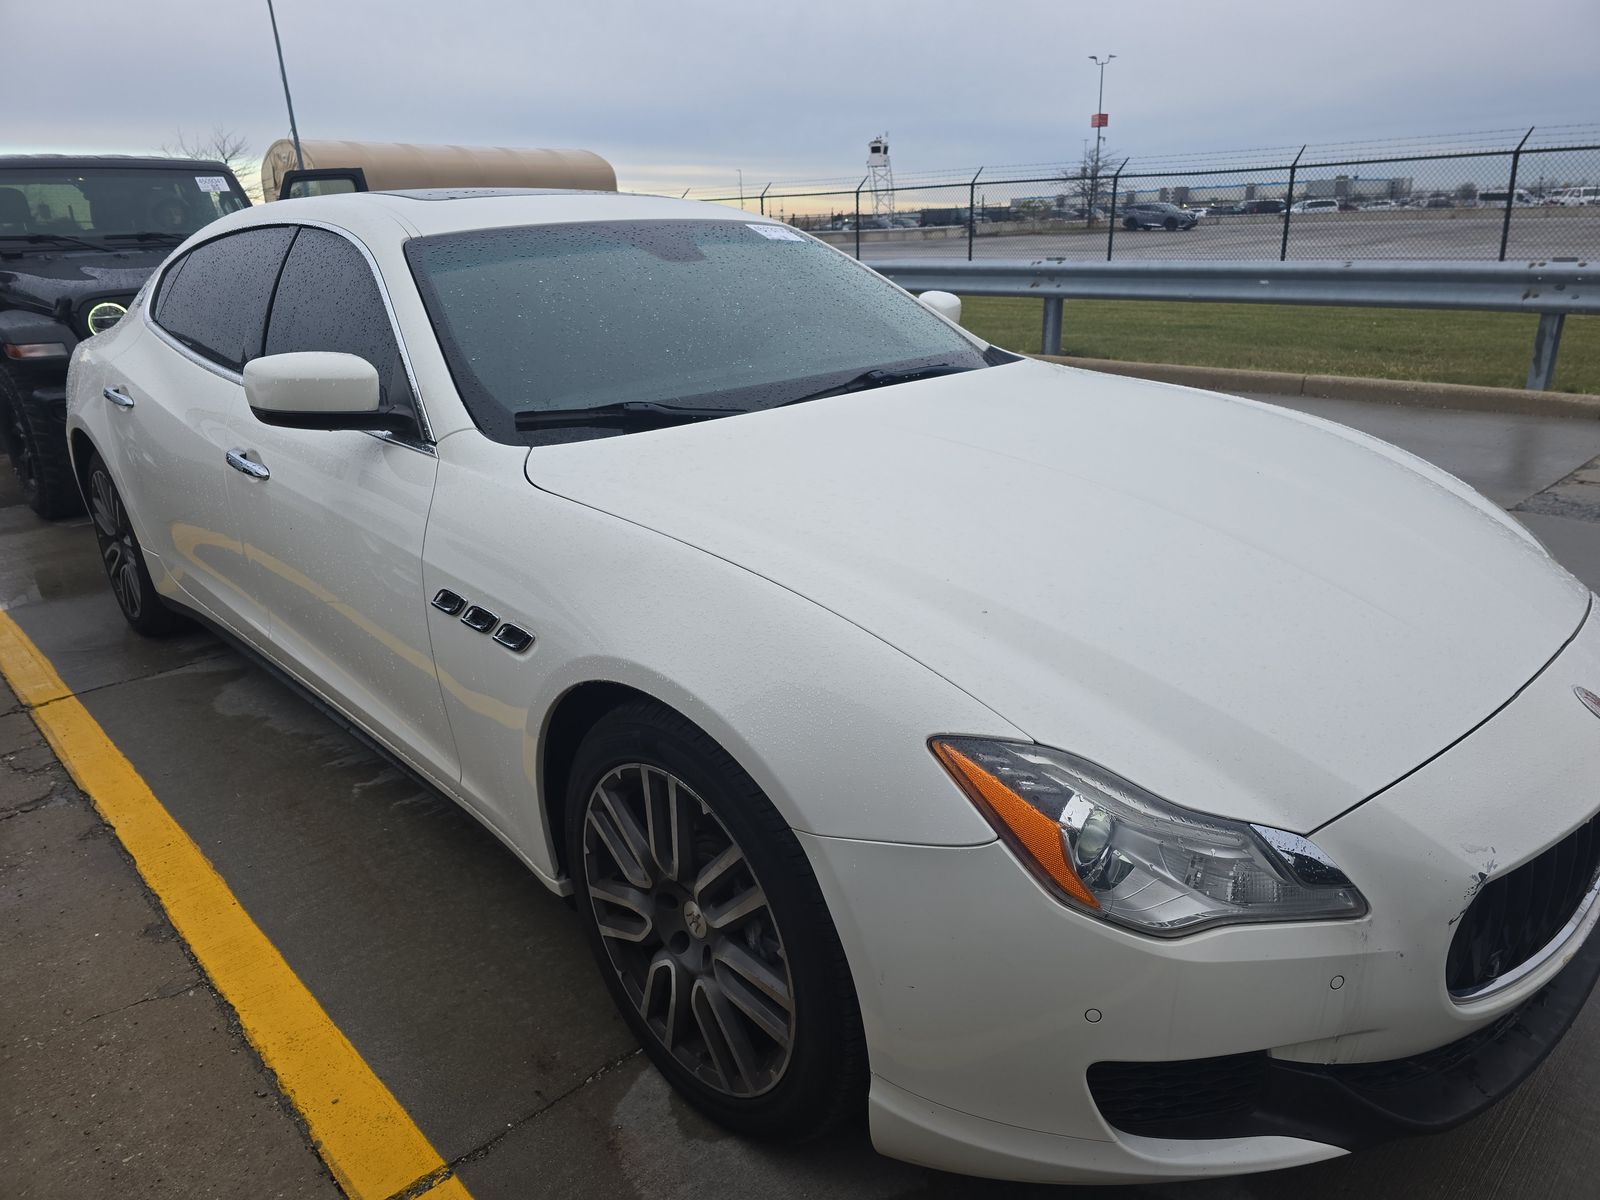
<point x="479" y="619"/>
<point x="448" y="602"/>
<point x="513" y="639"/>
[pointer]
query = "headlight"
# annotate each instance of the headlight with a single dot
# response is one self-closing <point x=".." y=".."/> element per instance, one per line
<point x="103" y="316"/>
<point x="1111" y="849"/>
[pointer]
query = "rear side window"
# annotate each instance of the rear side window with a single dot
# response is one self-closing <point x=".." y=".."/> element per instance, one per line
<point x="328" y="300"/>
<point x="214" y="300"/>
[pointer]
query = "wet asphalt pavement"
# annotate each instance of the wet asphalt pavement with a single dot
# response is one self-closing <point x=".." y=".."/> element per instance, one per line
<point x="462" y="982"/>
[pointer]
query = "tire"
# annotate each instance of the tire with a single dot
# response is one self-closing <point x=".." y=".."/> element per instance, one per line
<point x="120" y="554"/>
<point x="1130" y="223"/>
<point x="769" y="1042"/>
<point x="1170" y="224"/>
<point x="38" y="448"/>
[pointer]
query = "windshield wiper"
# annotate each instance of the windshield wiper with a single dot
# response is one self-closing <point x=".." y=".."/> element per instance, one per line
<point x="50" y="239"/>
<point x="624" y="412"/>
<point x="174" y="238"/>
<point x="879" y="377"/>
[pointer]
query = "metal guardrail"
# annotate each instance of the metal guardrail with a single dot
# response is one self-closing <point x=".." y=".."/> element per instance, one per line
<point x="1551" y="289"/>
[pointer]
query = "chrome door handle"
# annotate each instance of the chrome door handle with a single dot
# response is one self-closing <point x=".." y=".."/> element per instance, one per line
<point x="118" y="397"/>
<point x="239" y="462"/>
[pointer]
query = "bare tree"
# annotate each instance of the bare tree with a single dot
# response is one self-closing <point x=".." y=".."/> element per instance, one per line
<point x="220" y="145"/>
<point x="1089" y="183"/>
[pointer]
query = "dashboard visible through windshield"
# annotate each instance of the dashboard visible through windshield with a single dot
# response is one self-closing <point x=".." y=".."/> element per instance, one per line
<point x="644" y="321"/>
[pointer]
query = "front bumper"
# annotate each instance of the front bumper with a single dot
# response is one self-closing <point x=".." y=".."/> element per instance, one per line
<point x="1355" y="1104"/>
<point x="986" y="1002"/>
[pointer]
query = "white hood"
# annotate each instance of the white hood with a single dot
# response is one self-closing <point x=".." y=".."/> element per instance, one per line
<point x="1241" y="609"/>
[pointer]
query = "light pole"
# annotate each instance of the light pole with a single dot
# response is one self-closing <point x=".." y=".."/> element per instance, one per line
<point x="294" y="132"/>
<point x="1100" y="104"/>
<point x="1099" y="132"/>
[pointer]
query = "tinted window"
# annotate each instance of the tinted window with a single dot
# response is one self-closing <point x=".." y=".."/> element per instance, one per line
<point x="328" y="300"/>
<point x="723" y="314"/>
<point x="332" y="186"/>
<point x="215" y="299"/>
<point x="113" y="202"/>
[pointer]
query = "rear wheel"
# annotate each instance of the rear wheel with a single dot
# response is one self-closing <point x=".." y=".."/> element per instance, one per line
<point x="35" y="440"/>
<point x="710" y="929"/>
<point x="1130" y="223"/>
<point x="130" y="581"/>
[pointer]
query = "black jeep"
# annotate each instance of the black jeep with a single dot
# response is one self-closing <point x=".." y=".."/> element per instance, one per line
<point x="78" y="238"/>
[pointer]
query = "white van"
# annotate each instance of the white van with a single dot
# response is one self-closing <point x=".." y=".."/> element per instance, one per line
<point x="1312" y="206"/>
<point x="1576" y="196"/>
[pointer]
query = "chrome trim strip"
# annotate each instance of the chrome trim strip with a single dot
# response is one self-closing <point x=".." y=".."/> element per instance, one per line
<point x="199" y="360"/>
<point x="1581" y="917"/>
<point x="428" y="439"/>
<point x="394" y="321"/>
<point x="394" y="439"/>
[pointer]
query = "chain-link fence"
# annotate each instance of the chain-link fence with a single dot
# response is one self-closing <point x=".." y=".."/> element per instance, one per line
<point x="1536" y="199"/>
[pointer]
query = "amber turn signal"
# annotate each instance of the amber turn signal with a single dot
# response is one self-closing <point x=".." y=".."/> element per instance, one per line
<point x="1029" y="831"/>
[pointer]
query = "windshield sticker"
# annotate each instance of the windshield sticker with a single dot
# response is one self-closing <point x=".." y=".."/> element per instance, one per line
<point x="778" y="233"/>
<point x="212" y="183"/>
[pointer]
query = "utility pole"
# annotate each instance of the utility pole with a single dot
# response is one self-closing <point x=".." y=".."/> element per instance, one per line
<point x="294" y="131"/>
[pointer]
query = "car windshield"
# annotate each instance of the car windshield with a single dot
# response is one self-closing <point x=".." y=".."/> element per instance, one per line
<point x="696" y="314"/>
<point x="108" y="204"/>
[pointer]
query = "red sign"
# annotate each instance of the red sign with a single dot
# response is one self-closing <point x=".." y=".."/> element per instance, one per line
<point x="1098" y="120"/>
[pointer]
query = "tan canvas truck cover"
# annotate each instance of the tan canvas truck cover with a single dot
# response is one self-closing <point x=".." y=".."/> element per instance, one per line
<point x="393" y="165"/>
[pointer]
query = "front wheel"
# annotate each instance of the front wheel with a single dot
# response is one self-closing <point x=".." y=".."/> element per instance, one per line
<point x="710" y="929"/>
<point x="1130" y="223"/>
<point x="35" y="440"/>
<point x="135" y="593"/>
<point x="1170" y="224"/>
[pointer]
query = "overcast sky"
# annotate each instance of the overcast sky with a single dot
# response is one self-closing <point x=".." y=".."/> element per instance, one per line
<point x="685" y="92"/>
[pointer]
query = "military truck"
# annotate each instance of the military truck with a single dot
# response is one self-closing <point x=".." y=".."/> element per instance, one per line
<point x="318" y="168"/>
<point x="78" y="238"/>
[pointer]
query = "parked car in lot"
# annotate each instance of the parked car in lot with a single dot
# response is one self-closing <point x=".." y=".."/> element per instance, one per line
<point x="1156" y="215"/>
<point x="1519" y="199"/>
<point x="1089" y="778"/>
<point x="1262" y="206"/>
<point x="1314" y="206"/>
<point x="1578" y="197"/>
<point x="78" y="236"/>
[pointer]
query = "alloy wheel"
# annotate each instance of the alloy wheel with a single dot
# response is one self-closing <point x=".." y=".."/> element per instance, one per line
<point x="118" y="549"/>
<point x="688" y="930"/>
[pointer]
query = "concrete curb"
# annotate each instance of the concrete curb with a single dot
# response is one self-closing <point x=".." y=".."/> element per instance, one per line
<point x="1460" y="396"/>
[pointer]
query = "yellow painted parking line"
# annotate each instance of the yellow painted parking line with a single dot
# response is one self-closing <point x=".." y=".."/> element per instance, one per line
<point x="368" y="1140"/>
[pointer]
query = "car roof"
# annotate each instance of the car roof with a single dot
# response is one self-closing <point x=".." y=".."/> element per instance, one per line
<point x="84" y="162"/>
<point x="430" y="211"/>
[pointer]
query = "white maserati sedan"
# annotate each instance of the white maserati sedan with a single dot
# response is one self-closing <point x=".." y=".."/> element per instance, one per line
<point x="1089" y="779"/>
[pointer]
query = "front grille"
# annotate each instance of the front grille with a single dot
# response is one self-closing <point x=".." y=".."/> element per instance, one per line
<point x="1151" y="1097"/>
<point x="1515" y="916"/>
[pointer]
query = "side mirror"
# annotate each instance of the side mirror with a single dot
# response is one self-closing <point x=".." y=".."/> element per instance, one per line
<point x="946" y="304"/>
<point x="317" y="390"/>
